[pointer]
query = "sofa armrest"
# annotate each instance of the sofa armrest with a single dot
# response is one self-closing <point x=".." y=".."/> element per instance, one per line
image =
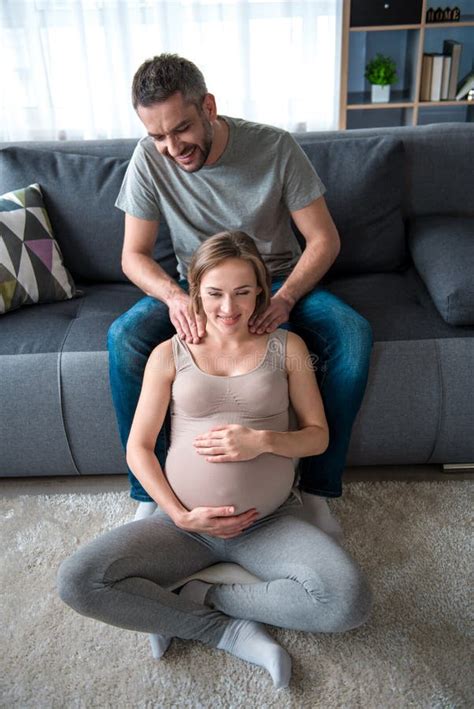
<point x="442" y="249"/>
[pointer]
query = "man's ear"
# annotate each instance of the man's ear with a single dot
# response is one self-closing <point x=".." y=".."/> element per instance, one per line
<point x="209" y="107"/>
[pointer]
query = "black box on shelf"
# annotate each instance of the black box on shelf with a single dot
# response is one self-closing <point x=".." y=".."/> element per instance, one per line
<point x="385" y="12"/>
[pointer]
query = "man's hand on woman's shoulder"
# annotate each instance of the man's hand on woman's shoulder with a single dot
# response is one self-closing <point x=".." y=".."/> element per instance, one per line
<point x="190" y="327"/>
<point x="277" y="313"/>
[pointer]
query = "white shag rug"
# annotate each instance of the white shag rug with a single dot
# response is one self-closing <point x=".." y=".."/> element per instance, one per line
<point x="412" y="538"/>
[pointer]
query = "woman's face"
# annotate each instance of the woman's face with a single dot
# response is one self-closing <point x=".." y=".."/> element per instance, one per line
<point x="228" y="295"/>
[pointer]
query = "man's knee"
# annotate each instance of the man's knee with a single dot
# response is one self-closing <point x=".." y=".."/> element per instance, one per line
<point x="115" y="333"/>
<point x="363" y="332"/>
<point x="332" y="325"/>
<point x="352" y="346"/>
<point x="146" y="322"/>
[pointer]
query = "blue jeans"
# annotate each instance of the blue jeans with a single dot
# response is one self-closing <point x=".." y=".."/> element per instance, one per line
<point x="339" y="339"/>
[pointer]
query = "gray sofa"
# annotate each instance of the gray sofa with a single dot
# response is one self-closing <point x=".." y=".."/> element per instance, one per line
<point x="403" y="201"/>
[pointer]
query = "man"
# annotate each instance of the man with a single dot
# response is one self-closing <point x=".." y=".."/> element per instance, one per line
<point x="204" y="173"/>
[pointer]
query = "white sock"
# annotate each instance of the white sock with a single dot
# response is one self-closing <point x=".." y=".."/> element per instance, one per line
<point x="250" y="641"/>
<point x="316" y="511"/>
<point x="159" y="645"/>
<point x="246" y="639"/>
<point x="194" y="590"/>
<point x="145" y="509"/>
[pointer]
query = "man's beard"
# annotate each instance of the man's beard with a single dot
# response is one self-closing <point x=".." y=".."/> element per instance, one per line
<point x="201" y="154"/>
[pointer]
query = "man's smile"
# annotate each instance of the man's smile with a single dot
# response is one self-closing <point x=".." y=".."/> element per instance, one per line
<point x="187" y="156"/>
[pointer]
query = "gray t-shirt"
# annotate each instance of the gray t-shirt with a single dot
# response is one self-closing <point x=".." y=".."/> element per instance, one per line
<point x="262" y="176"/>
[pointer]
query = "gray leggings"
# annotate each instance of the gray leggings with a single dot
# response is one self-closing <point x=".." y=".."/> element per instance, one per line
<point x="310" y="582"/>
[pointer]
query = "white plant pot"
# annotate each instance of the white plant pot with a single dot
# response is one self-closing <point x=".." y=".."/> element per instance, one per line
<point x="380" y="94"/>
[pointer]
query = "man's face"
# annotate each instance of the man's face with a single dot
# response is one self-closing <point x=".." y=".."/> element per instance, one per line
<point x="180" y="132"/>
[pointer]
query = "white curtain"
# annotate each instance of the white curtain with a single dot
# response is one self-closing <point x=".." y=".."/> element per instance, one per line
<point x="67" y="65"/>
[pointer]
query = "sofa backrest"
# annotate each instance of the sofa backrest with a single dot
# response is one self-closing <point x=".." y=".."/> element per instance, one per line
<point x="438" y="165"/>
<point x="428" y="169"/>
<point x="364" y="181"/>
<point x="80" y="182"/>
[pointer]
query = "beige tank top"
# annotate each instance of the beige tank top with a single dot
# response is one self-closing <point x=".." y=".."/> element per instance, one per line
<point x="257" y="399"/>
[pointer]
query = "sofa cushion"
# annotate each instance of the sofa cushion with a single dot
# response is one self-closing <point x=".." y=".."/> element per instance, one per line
<point x="31" y="263"/>
<point x="364" y="178"/>
<point x="439" y="161"/>
<point x="397" y="305"/>
<point x="79" y="194"/>
<point x="443" y="253"/>
<point x="78" y="325"/>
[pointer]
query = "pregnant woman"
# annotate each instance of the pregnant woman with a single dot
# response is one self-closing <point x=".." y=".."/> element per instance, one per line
<point x="227" y="492"/>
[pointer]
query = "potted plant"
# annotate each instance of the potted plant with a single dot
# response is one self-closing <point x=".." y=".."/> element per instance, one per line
<point x="381" y="73"/>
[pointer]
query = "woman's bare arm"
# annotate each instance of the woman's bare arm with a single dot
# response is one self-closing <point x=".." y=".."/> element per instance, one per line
<point x="312" y="438"/>
<point x="149" y="417"/>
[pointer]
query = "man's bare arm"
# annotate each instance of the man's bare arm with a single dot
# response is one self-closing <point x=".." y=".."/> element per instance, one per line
<point x="138" y="263"/>
<point x="140" y="267"/>
<point x="322" y="246"/>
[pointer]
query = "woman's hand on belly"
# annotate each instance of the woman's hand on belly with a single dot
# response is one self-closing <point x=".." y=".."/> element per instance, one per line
<point x="229" y="442"/>
<point x="216" y="521"/>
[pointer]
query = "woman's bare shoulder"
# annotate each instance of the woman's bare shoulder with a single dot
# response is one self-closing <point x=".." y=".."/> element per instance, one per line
<point x="161" y="358"/>
<point x="295" y="344"/>
<point x="296" y="351"/>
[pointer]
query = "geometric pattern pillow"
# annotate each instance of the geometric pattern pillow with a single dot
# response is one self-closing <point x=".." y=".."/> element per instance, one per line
<point x="31" y="263"/>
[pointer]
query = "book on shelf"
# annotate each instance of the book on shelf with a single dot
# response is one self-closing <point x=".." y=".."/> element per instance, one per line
<point x="436" y="77"/>
<point x="439" y="73"/>
<point x="426" y="71"/>
<point x="433" y="71"/>
<point x="453" y="49"/>
<point x="445" y="77"/>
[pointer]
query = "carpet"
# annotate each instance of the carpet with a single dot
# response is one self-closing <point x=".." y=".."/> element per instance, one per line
<point x="412" y="538"/>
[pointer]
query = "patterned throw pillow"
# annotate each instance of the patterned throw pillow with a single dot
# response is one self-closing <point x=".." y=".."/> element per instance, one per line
<point x="31" y="263"/>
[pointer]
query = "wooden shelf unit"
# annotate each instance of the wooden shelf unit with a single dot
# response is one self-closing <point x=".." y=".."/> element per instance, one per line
<point x="358" y="101"/>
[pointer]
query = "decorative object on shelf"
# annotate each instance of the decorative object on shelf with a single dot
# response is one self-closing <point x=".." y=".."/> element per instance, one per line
<point x="370" y="13"/>
<point x="449" y="14"/>
<point x="381" y="73"/>
<point x="466" y="87"/>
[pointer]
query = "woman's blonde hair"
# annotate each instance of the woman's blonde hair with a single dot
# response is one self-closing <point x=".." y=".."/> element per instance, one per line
<point x="218" y="248"/>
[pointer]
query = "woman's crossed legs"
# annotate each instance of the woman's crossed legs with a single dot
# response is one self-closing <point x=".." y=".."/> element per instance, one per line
<point x="309" y="581"/>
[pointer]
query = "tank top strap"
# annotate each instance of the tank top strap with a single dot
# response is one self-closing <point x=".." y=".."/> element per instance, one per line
<point x="182" y="357"/>
<point x="276" y="352"/>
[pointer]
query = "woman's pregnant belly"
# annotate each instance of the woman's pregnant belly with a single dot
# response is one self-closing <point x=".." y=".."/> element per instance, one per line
<point x="263" y="482"/>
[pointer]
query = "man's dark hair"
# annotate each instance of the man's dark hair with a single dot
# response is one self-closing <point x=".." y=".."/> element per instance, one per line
<point x="160" y="77"/>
